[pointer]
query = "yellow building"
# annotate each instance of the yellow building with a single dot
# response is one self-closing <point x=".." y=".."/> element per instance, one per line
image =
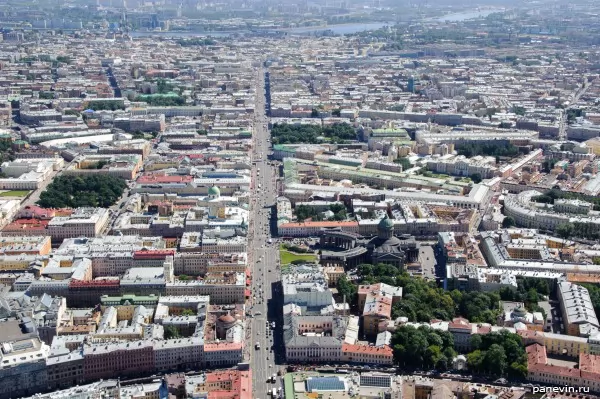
<point x="565" y="345"/>
<point x="333" y="274"/>
<point x="594" y="144"/>
<point x="17" y="262"/>
<point x="126" y="304"/>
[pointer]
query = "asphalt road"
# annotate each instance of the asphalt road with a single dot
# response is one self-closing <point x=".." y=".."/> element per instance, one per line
<point x="263" y="257"/>
<point x="428" y="261"/>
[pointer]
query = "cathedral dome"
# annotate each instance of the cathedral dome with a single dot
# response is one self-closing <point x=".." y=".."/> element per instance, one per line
<point x="214" y="191"/>
<point x="386" y="224"/>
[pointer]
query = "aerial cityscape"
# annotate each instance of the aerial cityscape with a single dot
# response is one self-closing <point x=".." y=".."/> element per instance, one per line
<point x="299" y="200"/>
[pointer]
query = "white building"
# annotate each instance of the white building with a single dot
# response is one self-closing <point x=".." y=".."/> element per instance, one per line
<point x="306" y="286"/>
<point x="83" y="222"/>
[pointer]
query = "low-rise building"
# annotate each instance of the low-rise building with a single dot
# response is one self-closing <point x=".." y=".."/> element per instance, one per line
<point x="540" y="369"/>
<point x="83" y="222"/>
<point x="125" y="166"/>
<point x="376" y="301"/>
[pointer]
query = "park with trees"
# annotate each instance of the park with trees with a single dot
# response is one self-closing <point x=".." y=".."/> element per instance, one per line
<point x="423" y="300"/>
<point x="81" y="191"/>
<point x="162" y="100"/>
<point x="498" y="354"/>
<point x="283" y="133"/>
<point x="494" y="354"/>
<point x="104" y="105"/>
<point x="304" y="212"/>
<point x="494" y="148"/>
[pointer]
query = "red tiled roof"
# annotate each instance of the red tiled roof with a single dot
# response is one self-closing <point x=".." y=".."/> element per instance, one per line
<point x="375" y="350"/>
<point x="164" y="179"/>
<point x="483" y="330"/>
<point x="589" y="365"/>
<point x="536" y="354"/>
<point x="153" y="254"/>
<point x="460" y="323"/>
<point x="241" y="384"/>
<point x="27" y="224"/>
<point x="220" y="346"/>
<point x="530" y="334"/>
<point x="365" y="289"/>
<point x="319" y="224"/>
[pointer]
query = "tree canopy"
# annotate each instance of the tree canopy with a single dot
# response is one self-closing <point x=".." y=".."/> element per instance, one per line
<point x="530" y="291"/>
<point x="346" y="287"/>
<point x="105" y="105"/>
<point x="304" y="212"/>
<point x="508" y="222"/>
<point x="405" y="162"/>
<point x="196" y="42"/>
<point x="283" y="133"/>
<point x="500" y="148"/>
<point x="423" y="301"/>
<point x="552" y="195"/>
<point x="476" y="177"/>
<point x="423" y="347"/>
<point x="498" y="354"/>
<point x="6" y="151"/>
<point x="594" y="290"/>
<point x="79" y="191"/>
<point x="162" y="100"/>
<point x="171" y="332"/>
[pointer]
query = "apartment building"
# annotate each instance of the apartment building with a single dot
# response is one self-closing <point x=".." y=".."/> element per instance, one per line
<point x="365" y="354"/>
<point x="306" y="285"/>
<point x="101" y="361"/>
<point x="541" y="370"/>
<point x="31" y="245"/>
<point x="179" y="354"/>
<point x="576" y="307"/>
<point x="125" y="166"/>
<point x="376" y="301"/>
<point x="522" y="209"/>
<point x="311" y="229"/>
<point x="23" y="367"/>
<point x="223" y="288"/>
<point x="83" y="222"/>
<point x="494" y="249"/>
<point x="223" y="354"/>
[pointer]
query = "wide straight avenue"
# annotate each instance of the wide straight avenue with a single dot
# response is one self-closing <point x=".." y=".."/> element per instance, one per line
<point x="263" y="256"/>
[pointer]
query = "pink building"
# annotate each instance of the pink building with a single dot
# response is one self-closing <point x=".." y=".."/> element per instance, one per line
<point x="118" y="359"/>
<point x="227" y="384"/>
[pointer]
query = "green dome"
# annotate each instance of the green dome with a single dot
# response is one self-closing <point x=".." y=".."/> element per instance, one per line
<point x="386" y="223"/>
<point x="214" y="191"/>
<point x="520" y="311"/>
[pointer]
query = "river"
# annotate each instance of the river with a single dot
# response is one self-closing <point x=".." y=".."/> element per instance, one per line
<point x="341" y="29"/>
<point x="463" y="16"/>
<point x="181" y="34"/>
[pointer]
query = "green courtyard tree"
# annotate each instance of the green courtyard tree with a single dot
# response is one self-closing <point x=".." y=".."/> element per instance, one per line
<point x="508" y="222"/>
<point x="96" y="190"/>
<point x="346" y="288"/>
